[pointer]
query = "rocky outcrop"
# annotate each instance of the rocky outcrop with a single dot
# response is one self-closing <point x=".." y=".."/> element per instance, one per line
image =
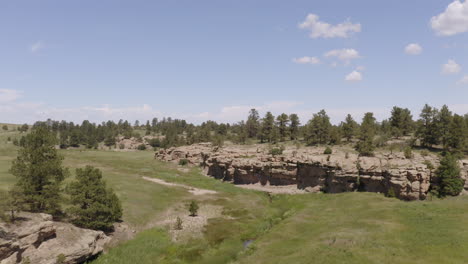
<point x="309" y="169"/>
<point x="38" y="239"/>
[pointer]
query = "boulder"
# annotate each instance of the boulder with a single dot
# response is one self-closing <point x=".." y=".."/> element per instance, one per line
<point x="40" y="240"/>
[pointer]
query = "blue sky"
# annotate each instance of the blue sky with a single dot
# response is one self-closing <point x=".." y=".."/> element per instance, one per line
<point x="200" y="60"/>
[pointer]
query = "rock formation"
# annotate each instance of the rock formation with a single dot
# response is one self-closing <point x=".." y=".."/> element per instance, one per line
<point x="310" y="169"/>
<point x="38" y="239"/>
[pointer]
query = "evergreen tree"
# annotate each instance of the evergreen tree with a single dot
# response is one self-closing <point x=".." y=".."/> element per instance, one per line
<point x="193" y="208"/>
<point x="294" y="126"/>
<point x="318" y="129"/>
<point x="458" y="135"/>
<point x="283" y="123"/>
<point x="400" y="121"/>
<point x="366" y="146"/>
<point x="448" y="174"/>
<point x="94" y="206"/>
<point x="148" y="128"/>
<point x="253" y="123"/>
<point x="268" y="126"/>
<point x="427" y="130"/>
<point x="444" y="121"/>
<point x="349" y="127"/>
<point x="40" y="173"/>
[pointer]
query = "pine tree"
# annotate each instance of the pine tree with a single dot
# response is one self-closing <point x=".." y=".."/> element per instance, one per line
<point x="94" y="206"/>
<point x="268" y="125"/>
<point x="294" y="126"/>
<point x="428" y="131"/>
<point x="448" y="174"/>
<point x="400" y="121"/>
<point x="253" y="124"/>
<point x="457" y="139"/>
<point x="193" y="208"/>
<point x="283" y="123"/>
<point x="349" y="127"/>
<point x="444" y="121"/>
<point x="318" y="129"/>
<point x="366" y="146"/>
<point x="40" y="173"/>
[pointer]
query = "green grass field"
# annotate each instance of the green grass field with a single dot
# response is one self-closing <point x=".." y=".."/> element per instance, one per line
<point x="310" y="228"/>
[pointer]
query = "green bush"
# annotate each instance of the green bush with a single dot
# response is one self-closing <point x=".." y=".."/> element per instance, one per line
<point x="328" y="151"/>
<point x="408" y="153"/>
<point x="277" y="150"/>
<point x="178" y="224"/>
<point x="154" y="142"/>
<point x="61" y="259"/>
<point x="429" y="164"/>
<point x="424" y="153"/>
<point x="183" y="162"/>
<point x="121" y="146"/>
<point x="141" y="147"/>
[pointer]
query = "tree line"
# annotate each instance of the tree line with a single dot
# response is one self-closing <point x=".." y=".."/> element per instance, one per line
<point x="433" y="128"/>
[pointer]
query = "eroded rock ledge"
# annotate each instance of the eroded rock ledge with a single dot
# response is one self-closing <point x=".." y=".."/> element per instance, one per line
<point x="38" y="239"/>
<point x="311" y="170"/>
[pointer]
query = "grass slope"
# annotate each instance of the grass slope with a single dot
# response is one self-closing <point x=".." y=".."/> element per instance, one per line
<point x="311" y="228"/>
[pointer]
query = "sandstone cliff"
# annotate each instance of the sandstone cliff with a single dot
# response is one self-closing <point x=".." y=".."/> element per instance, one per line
<point x="38" y="239"/>
<point x="310" y="169"/>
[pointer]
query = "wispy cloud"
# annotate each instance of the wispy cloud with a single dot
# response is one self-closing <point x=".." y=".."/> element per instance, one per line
<point x="306" y="60"/>
<point x="320" y="29"/>
<point x="354" y="76"/>
<point x="36" y="47"/>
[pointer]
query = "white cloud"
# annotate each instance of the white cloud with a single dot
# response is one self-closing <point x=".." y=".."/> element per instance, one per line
<point x="37" y="47"/>
<point x="453" y="20"/>
<point x="463" y="80"/>
<point x="345" y="55"/>
<point x="413" y="49"/>
<point x="7" y="95"/>
<point x="354" y="76"/>
<point x="320" y="29"/>
<point x="307" y="60"/>
<point x="451" y="67"/>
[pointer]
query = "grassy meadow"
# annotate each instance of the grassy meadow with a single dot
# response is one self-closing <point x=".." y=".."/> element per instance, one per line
<point x="309" y="228"/>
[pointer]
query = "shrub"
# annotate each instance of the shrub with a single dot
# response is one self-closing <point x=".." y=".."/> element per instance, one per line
<point x="5" y="127"/>
<point x="9" y="139"/>
<point x="449" y="176"/>
<point x="429" y="164"/>
<point x="346" y="155"/>
<point x="193" y="208"/>
<point x="141" y="147"/>
<point x="121" y="146"/>
<point x="277" y="150"/>
<point x="154" y="142"/>
<point x="178" y="224"/>
<point x="61" y="259"/>
<point x="183" y="162"/>
<point x="408" y="153"/>
<point x="391" y="193"/>
<point x="328" y="151"/>
<point x="424" y="153"/>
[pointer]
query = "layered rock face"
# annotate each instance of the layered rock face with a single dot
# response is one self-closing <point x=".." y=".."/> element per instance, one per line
<point x="309" y="169"/>
<point x="38" y="239"/>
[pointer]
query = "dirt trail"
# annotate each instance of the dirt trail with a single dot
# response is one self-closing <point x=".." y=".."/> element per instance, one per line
<point x="193" y="190"/>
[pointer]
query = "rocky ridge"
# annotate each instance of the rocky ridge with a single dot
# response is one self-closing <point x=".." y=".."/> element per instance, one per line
<point x="309" y="169"/>
<point x="35" y="238"/>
